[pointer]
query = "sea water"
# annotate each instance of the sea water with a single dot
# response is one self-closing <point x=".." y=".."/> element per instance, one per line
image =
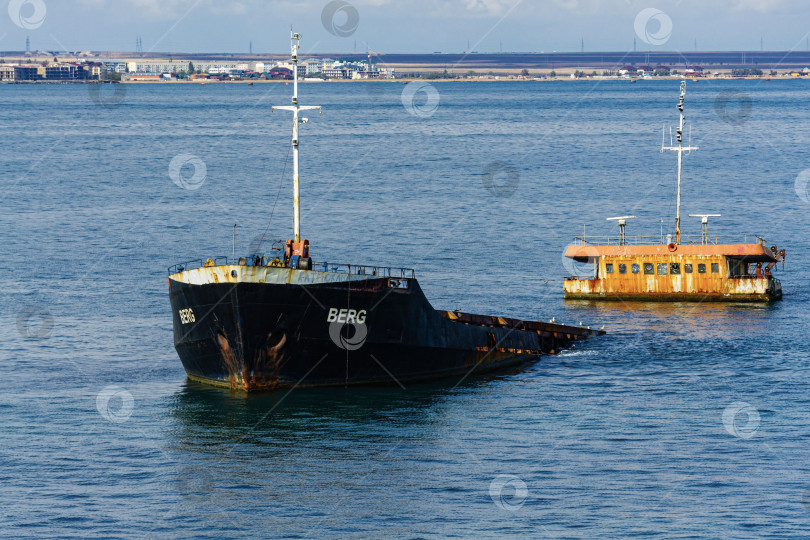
<point x="684" y="420"/>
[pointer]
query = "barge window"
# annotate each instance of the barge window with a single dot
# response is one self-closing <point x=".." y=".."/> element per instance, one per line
<point x="674" y="268"/>
<point x="715" y="268"/>
<point x="648" y="268"/>
<point x="687" y="267"/>
<point x="662" y="269"/>
<point x="622" y="268"/>
<point x="609" y="268"/>
<point x="636" y="268"/>
<point x="701" y="268"/>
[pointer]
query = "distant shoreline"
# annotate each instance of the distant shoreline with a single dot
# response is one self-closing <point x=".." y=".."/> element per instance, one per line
<point x="414" y="79"/>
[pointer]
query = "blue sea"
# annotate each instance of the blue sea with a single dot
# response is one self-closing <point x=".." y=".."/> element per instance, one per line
<point x="684" y="421"/>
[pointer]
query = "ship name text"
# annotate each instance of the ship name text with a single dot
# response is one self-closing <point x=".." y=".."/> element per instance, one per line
<point x="346" y="316"/>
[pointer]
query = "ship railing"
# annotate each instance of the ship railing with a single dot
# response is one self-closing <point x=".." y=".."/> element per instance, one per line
<point x="364" y="270"/>
<point x="339" y="268"/>
<point x="197" y="263"/>
<point x="693" y="239"/>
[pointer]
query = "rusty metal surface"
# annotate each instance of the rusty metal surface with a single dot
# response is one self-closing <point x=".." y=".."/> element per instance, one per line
<point x="754" y="252"/>
<point x="731" y="281"/>
<point x="261" y="274"/>
<point x="543" y="328"/>
<point x="683" y="287"/>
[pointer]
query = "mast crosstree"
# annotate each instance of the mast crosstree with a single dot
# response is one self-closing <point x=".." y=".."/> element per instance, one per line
<point x="680" y="148"/>
<point x="295" y="108"/>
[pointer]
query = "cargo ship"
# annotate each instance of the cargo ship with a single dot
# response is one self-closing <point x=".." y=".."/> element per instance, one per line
<point x="697" y="268"/>
<point x="279" y="319"/>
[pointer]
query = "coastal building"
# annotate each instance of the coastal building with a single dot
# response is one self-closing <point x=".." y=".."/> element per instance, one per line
<point x="152" y="67"/>
<point x="218" y="68"/>
<point x="280" y="73"/>
<point x="29" y="73"/>
<point x="372" y="74"/>
<point x="338" y="73"/>
<point x="302" y="69"/>
<point x="115" y="67"/>
<point x="93" y="70"/>
<point x="144" y="77"/>
<point x="61" y="72"/>
<point x="7" y="73"/>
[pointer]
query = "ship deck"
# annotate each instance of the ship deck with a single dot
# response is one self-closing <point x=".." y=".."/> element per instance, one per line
<point x="507" y="322"/>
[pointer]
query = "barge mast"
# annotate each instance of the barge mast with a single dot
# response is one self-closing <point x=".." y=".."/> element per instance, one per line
<point x="680" y="149"/>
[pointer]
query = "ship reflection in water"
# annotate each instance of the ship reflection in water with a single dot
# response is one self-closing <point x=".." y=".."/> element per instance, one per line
<point x="677" y="320"/>
<point x="282" y="433"/>
<point x="232" y="417"/>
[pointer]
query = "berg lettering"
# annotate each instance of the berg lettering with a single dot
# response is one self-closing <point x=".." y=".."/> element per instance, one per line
<point x="346" y="316"/>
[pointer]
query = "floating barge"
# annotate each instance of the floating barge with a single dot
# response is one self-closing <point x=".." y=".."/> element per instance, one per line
<point x="281" y="320"/>
<point x="676" y="272"/>
<point x="703" y="268"/>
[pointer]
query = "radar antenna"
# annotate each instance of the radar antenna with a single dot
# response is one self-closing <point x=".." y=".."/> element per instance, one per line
<point x="704" y="219"/>
<point x="680" y="149"/>
<point x="622" y="223"/>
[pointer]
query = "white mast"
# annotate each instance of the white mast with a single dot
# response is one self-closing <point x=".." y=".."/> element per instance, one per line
<point x="295" y="38"/>
<point x="680" y="149"/>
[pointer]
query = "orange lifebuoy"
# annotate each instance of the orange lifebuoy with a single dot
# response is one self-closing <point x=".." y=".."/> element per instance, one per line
<point x="672" y="246"/>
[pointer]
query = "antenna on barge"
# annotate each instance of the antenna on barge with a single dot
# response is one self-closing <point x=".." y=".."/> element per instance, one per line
<point x="704" y="220"/>
<point x="622" y="223"/>
<point x="680" y="149"/>
<point x="295" y="107"/>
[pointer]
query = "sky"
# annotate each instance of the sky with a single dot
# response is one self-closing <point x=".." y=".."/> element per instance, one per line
<point x="389" y="26"/>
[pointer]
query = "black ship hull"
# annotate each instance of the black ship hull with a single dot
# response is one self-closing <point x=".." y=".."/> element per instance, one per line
<point x="254" y="328"/>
